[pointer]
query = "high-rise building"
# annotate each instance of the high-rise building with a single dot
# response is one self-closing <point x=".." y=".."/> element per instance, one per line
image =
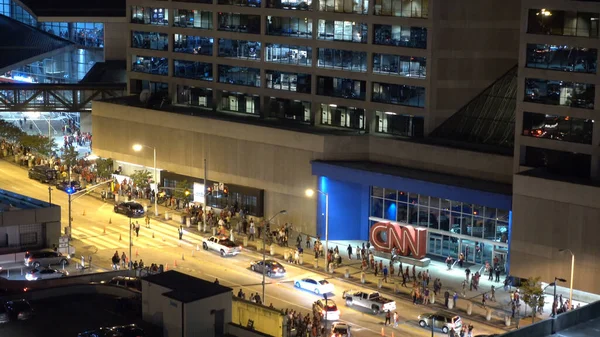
<point x="556" y="199"/>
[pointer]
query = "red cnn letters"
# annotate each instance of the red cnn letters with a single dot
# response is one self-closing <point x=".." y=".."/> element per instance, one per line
<point x="407" y="239"/>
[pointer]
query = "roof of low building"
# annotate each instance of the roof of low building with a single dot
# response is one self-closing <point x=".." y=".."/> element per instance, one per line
<point x="10" y="201"/>
<point x="19" y="42"/>
<point x="76" y="8"/>
<point x="186" y="288"/>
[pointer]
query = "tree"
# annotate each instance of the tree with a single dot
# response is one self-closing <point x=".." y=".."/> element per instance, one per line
<point x="104" y="168"/>
<point x="141" y="178"/>
<point x="533" y="294"/>
<point x="10" y="132"/>
<point x="180" y="188"/>
<point x="69" y="156"/>
<point x="38" y="144"/>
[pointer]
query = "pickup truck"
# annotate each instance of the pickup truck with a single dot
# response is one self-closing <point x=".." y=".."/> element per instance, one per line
<point x="373" y="301"/>
<point x="222" y="245"/>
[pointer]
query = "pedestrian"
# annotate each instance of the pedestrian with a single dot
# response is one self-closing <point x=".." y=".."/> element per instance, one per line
<point x="385" y="274"/>
<point x="493" y="291"/>
<point x="497" y="271"/>
<point x="446" y="298"/>
<point x="483" y="296"/>
<point x="147" y="220"/>
<point x="251" y="231"/>
<point x="349" y="252"/>
<point x="396" y="319"/>
<point x="454" y="299"/>
<point x="90" y="260"/>
<point x="137" y="229"/>
<point x="123" y="260"/>
<point x="180" y="232"/>
<point x="82" y="262"/>
<point x="388" y="317"/>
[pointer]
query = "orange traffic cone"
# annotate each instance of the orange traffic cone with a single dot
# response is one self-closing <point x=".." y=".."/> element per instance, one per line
<point x="109" y="221"/>
<point x="167" y="267"/>
<point x="120" y="239"/>
<point x="175" y="264"/>
<point x="104" y="232"/>
<point x="382" y="332"/>
<point x="392" y="334"/>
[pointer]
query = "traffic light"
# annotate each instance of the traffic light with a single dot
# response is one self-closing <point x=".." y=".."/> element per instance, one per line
<point x="186" y="192"/>
<point x="208" y="190"/>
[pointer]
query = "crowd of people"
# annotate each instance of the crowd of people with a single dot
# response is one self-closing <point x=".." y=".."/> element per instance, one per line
<point x="123" y="262"/>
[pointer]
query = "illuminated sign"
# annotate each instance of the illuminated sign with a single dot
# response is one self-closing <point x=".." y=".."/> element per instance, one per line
<point x="199" y="193"/>
<point x="407" y="239"/>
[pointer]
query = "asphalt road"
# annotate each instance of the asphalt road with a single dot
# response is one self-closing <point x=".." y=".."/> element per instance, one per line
<point x="91" y="219"/>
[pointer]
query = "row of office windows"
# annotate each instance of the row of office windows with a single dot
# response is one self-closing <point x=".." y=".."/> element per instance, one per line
<point x="396" y="94"/>
<point x="397" y="8"/>
<point x="571" y="94"/>
<point x="330" y="30"/>
<point x="294" y="110"/>
<point x="565" y="23"/>
<point x="562" y="58"/>
<point x="385" y="64"/>
<point x="561" y="128"/>
<point x="88" y="34"/>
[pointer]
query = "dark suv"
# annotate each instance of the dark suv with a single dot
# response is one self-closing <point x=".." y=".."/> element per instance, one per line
<point x="42" y="173"/>
<point x="45" y="257"/>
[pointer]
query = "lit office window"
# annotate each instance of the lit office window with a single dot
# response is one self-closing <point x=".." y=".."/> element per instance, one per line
<point x="572" y="94"/>
<point x="342" y="116"/>
<point x="240" y="103"/>
<point x="287" y="109"/>
<point x="191" y="18"/>
<point x="399" y="94"/>
<point x="561" y="128"/>
<point x="193" y="70"/>
<point x="400" y="36"/>
<point x="239" y="75"/>
<point x="289" y="26"/>
<point x="347" y="31"/>
<point x="149" y="16"/>
<point x="242" y="3"/>
<point x="150" y="65"/>
<point x="562" y="58"/>
<point x="301" y="5"/>
<point x="566" y="23"/>
<point x="295" y="82"/>
<point x="344" y="6"/>
<point x="342" y="59"/>
<point x="405" y="66"/>
<point x="402" y="8"/>
<point x="190" y="44"/>
<point x="149" y="40"/>
<point x="194" y="96"/>
<point x="240" y="49"/>
<point x="288" y="54"/>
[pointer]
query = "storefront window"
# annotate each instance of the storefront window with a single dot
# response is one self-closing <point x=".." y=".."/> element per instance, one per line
<point x="342" y="59"/>
<point x="290" y="4"/>
<point x="347" y="31"/>
<point x="400" y="36"/>
<point x="193" y="70"/>
<point x="149" y="40"/>
<point x="150" y="65"/>
<point x="242" y="23"/>
<point x="405" y="66"/>
<point x="399" y="94"/>
<point x="287" y="109"/>
<point x="289" y="26"/>
<point x="288" y="54"/>
<point x="562" y="58"/>
<point x="577" y="95"/>
<point x="344" y="6"/>
<point x="295" y="82"/>
<point x="562" y="128"/>
<point x="402" y="8"/>
<point x="191" y="18"/>
<point x="341" y="87"/>
<point x="239" y="75"/>
<point x="341" y="116"/>
<point x="240" y="49"/>
<point x="240" y="102"/>
<point x="190" y="44"/>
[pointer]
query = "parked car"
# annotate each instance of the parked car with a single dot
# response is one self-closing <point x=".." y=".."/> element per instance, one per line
<point x="273" y="268"/>
<point x="130" y="330"/>
<point x="18" y="310"/>
<point x="64" y="185"/>
<point x="45" y="274"/>
<point x="43" y="174"/>
<point x="317" y="287"/>
<point x="130" y="208"/>
<point x="45" y="257"/>
<point x="340" y="329"/>
<point x="133" y="283"/>
<point x="224" y="246"/>
<point x="327" y="309"/>
<point x="373" y="301"/>
<point x="441" y="320"/>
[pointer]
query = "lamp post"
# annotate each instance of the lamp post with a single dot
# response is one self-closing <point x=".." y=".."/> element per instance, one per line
<point x="572" y="275"/>
<point x="309" y="193"/>
<point x="264" y="267"/>
<point x="138" y="148"/>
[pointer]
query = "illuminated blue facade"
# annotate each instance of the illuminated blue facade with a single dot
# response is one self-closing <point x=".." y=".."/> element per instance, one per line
<point x="458" y="218"/>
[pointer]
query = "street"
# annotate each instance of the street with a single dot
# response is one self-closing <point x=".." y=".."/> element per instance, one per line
<point x="99" y="232"/>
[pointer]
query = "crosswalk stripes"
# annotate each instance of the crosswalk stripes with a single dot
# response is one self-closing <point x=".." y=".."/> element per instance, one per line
<point x="165" y="235"/>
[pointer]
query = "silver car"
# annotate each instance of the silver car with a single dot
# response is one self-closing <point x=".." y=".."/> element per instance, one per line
<point x="45" y="257"/>
<point x="444" y="321"/>
<point x="45" y="274"/>
<point x="273" y="268"/>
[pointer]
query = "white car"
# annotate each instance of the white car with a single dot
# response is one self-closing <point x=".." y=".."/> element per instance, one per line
<point x="317" y="287"/>
<point x="45" y="274"/>
<point x="340" y="329"/>
<point x="223" y="245"/>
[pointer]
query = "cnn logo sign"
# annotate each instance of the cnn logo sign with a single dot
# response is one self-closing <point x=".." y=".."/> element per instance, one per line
<point x="407" y="239"/>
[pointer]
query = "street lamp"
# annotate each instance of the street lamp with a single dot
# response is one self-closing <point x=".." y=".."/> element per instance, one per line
<point x="138" y="148"/>
<point x="309" y="193"/>
<point x="264" y="267"/>
<point x="572" y="275"/>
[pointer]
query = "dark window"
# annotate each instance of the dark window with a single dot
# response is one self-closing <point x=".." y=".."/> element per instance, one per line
<point x="193" y="96"/>
<point x="242" y="3"/>
<point x="150" y="65"/>
<point x="149" y="40"/>
<point x="405" y="66"/>
<point x="562" y="128"/>
<point x="400" y="36"/>
<point x="289" y="26"/>
<point x="191" y="18"/>
<point x="398" y="94"/>
<point x="193" y="70"/>
<point x="402" y="8"/>
<point x="288" y="54"/>
<point x="341" y="87"/>
<point x="562" y="58"/>
<point x="279" y="80"/>
<point x="342" y="59"/>
<point x="197" y="1"/>
<point x="240" y="102"/>
<point x="243" y="23"/>
<point x="347" y="31"/>
<point x="288" y="109"/>
<point x="558" y="162"/>
<point x="577" y="95"/>
<point x="569" y="23"/>
<point x="239" y="75"/>
<point x="241" y="49"/>
<point x="399" y="125"/>
<point x="190" y="44"/>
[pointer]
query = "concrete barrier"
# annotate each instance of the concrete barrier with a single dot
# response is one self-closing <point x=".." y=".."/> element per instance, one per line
<point x="19" y="285"/>
<point x="469" y="308"/>
<point x="77" y="289"/>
